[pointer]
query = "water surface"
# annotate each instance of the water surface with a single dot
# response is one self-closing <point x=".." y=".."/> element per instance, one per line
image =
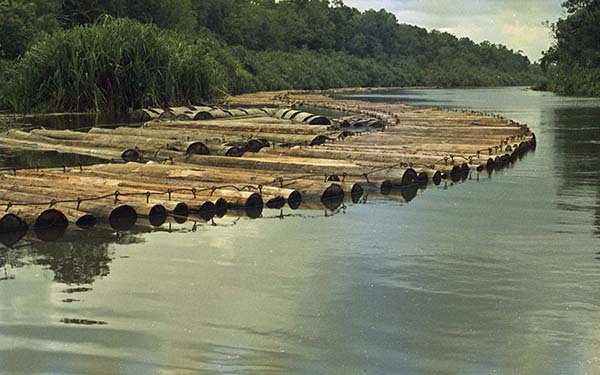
<point x="497" y="275"/>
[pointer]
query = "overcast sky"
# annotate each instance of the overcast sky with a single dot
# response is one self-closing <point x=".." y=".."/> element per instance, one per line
<point x="514" y="23"/>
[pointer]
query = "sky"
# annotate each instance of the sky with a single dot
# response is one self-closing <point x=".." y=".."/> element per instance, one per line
<point x="518" y="24"/>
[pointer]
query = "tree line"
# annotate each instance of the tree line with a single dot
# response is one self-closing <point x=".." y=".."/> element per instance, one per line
<point x="572" y="64"/>
<point x="106" y="54"/>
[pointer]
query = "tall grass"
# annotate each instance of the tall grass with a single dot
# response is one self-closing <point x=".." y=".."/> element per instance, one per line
<point x="119" y="64"/>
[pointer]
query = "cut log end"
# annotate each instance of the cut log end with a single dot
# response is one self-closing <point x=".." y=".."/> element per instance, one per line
<point x="12" y="230"/>
<point x="50" y="225"/>
<point x="294" y="200"/>
<point x="221" y="207"/>
<point x="333" y="197"/>
<point x="158" y="215"/>
<point x="86" y="221"/>
<point x="181" y="213"/>
<point x="356" y="193"/>
<point x="197" y="148"/>
<point x="122" y="218"/>
<point x="275" y="203"/>
<point x="437" y="178"/>
<point x="131" y="155"/>
<point x="206" y="211"/>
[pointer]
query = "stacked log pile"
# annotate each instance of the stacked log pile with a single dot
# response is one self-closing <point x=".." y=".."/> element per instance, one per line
<point x="207" y="160"/>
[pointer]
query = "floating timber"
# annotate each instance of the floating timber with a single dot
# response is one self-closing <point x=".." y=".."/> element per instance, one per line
<point x="200" y="162"/>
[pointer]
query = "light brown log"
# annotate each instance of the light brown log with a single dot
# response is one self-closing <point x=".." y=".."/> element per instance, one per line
<point x="84" y="220"/>
<point x="105" y="153"/>
<point x="149" y="144"/>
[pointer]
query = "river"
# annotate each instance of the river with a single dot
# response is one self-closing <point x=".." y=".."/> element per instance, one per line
<point x="496" y="275"/>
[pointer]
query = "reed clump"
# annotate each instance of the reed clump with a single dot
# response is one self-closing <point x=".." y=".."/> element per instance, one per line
<point x="118" y="64"/>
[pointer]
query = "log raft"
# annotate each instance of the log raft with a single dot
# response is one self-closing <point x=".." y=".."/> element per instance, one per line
<point x="197" y="162"/>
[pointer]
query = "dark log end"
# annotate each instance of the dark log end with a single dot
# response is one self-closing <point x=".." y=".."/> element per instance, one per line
<point x="437" y="178"/>
<point x="386" y="187"/>
<point x="158" y="215"/>
<point x="181" y="213"/>
<point x="422" y="179"/>
<point x="456" y="173"/>
<point x="320" y="120"/>
<point x="86" y="221"/>
<point x="276" y="203"/>
<point x="295" y="200"/>
<point x="131" y="155"/>
<point x="50" y="225"/>
<point x="221" y="207"/>
<point x="236" y="151"/>
<point x="333" y="197"/>
<point x="206" y="211"/>
<point x="318" y="140"/>
<point x="122" y="218"/>
<point x="12" y="229"/>
<point x="204" y="115"/>
<point x="356" y="193"/>
<point x="197" y="148"/>
<point x="409" y="177"/>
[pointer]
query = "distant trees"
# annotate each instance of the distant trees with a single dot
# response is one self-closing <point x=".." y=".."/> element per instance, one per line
<point x="574" y="59"/>
<point x="262" y="45"/>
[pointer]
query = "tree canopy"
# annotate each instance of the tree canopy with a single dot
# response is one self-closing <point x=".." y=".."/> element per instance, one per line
<point x="573" y="61"/>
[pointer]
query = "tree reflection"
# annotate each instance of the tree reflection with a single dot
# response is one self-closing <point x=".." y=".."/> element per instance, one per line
<point x="577" y="146"/>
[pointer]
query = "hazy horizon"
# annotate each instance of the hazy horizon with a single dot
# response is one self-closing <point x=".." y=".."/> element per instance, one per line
<point x="518" y="24"/>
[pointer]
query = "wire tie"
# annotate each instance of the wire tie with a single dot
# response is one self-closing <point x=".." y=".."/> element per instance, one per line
<point x="148" y="196"/>
<point x="8" y="206"/>
<point x="366" y="176"/>
<point x="344" y="175"/>
<point x="117" y="193"/>
<point x="80" y="167"/>
<point x="212" y="190"/>
<point x="260" y="189"/>
<point x="53" y="203"/>
<point x="14" y="171"/>
<point x="64" y="169"/>
<point x="78" y="202"/>
<point x="194" y="192"/>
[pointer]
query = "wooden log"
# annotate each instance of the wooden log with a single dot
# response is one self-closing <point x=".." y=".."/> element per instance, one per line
<point x="235" y="199"/>
<point x="245" y="125"/>
<point x="150" y="144"/>
<point x="105" y="153"/>
<point x="145" y="115"/>
<point x="289" y="188"/>
<point x="12" y="229"/>
<point x="283" y="138"/>
<point x="120" y="216"/>
<point x="84" y="220"/>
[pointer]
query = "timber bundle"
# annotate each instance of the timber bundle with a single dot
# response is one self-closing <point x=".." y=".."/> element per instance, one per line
<point x="263" y="150"/>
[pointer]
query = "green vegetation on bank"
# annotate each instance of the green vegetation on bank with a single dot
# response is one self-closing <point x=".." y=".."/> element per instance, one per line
<point x="112" y="55"/>
<point x="572" y="64"/>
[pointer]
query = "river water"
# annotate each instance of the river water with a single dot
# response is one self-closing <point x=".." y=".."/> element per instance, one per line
<point x="497" y="275"/>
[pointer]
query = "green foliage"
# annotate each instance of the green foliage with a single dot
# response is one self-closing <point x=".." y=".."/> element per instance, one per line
<point x="197" y="49"/>
<point x="20" y="22"/>
<point x="573" y="62"/>
<point x="117" y="65"/>
<point x="175" y="15"/>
